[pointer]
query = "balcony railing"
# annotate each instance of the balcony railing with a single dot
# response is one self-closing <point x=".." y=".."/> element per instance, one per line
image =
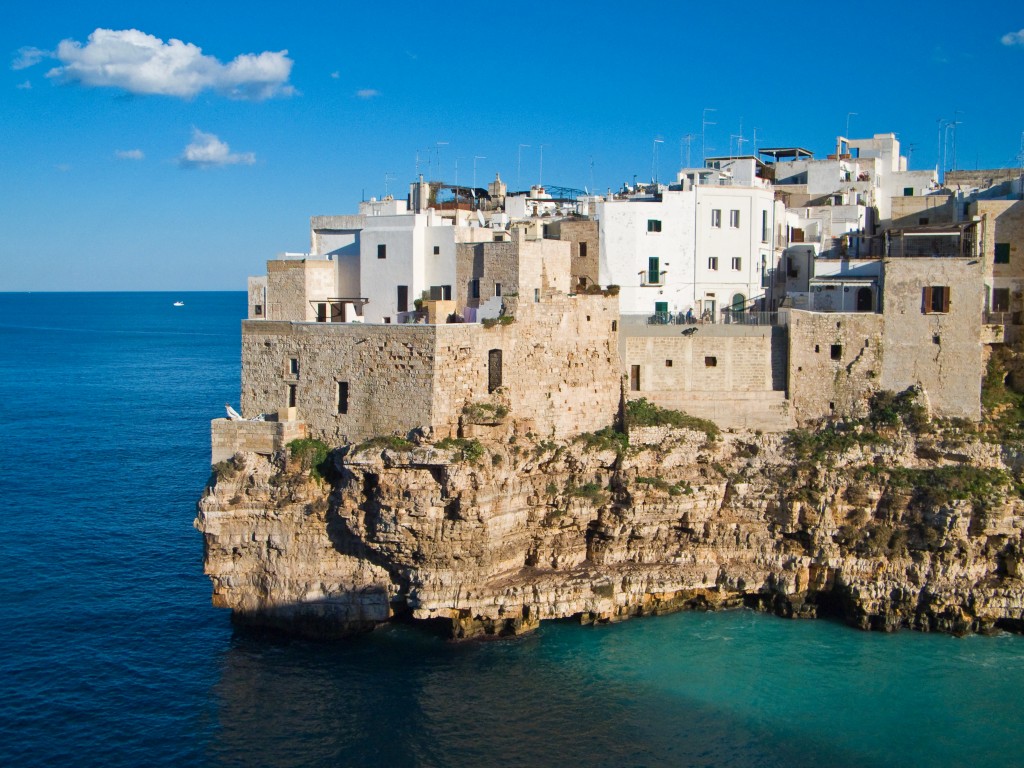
<point x="733" y="317"/>
<point x="1001" y="318"/>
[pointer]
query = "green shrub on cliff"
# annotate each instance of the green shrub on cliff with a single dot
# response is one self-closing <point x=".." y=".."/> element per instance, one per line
<point x="309" y="455"/>
<point x="641" y="413"/>
<point x="385" y="442"/>
<point x="894" y="408"/>
<point x="462" y="450"/>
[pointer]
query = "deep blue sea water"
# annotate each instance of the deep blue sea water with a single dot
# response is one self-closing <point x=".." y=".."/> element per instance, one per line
<point x="111" y="655"/>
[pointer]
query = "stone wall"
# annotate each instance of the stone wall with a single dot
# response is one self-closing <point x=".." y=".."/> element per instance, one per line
<point x="941" y="352"/>
<point x="582" y="235"/>
<point x="559" y="370"/>
<point x="229" y="437"/>
<point x="257" y="290"/>
<point x="908" y="211"/>
<point x="980" y="178"/>
<point x="835" y="362"/>
<point x="293" y="283"/>
<point x="389" y="370"/>
<point x="525" y="265"/>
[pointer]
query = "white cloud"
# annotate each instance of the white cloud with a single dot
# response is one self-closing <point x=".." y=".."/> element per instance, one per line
<point x="26" y="86"/>
<point x="1013" y="38"/>
<point x="130" y="154"/>
<point x="28" y="56"/>
<point x="144" y="64"/>
<point x="367" y="93"/>
<point x="208" y="151"/>
<point x="335" y="75"/>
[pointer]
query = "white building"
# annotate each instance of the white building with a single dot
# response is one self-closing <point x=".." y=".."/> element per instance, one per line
<point x="704" y="247"/>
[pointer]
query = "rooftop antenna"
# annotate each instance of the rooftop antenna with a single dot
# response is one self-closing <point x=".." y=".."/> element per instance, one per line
<point x="755" y="142"/>
<point x="519" y="167"/>
<point x="940" y="149"/>
<point x="594" y="189"/>
<point x="439" y="144"/>
<point x="955" y="123"/>
<point x="388" y="176"/>
<point x="540" y="180"/>
<point x="704" y="123"/>
<point x="654" y="161"/>
<point x="687" y="139"/>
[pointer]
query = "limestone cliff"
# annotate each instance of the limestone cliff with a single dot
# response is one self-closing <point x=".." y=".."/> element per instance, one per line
<point x="882" y="526"/>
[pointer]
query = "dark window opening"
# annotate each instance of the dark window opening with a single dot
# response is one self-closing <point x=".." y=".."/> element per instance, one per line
<point x="321" y="313"/>
<point x="923" y="220"/>
<point x="292" y="395"/>
<point x="653" y="270"/>
<point x="474" y="288"/>
<point x="536" y="295"/>
<point x="653" y="225"/>
<point x="816" y="349"/>
<point x="668" y="363"/>
<point x="936" y="339"/>
<point x="634" y="378"/>
<point x="1000" y="299"/>
<point x="387" y="321"/>
<point x="497" y="289"/>
<point x="831" y="406"/>
<point x="403" y="298"/>
<point x="342" y="397"/>
<point x="615" y="326"/>
<point x="837" y="351"/>
<point x="257" y="310"/>
<point x="710" y="362"/>
<point x="293" y="366"/>
<point x="382" y="251"/>
<point x="493" y="369"/>
<point x="1002" y="253"/>
<point x="446" y="292"/>
<point x="583" y="250"/>
<point x="908" y="191"/>
<point x="437" y="249"/>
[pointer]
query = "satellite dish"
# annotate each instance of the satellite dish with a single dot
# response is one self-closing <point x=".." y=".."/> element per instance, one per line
<point x="479" y="217"/>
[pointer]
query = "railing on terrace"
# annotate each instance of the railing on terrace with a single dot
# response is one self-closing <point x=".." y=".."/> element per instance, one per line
<point x="726" y="317"/>
<point x="1001" y="318"/>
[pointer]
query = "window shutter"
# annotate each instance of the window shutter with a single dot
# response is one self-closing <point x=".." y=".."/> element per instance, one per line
<point x="926" y="301"/>
<point x="945" y="300"/>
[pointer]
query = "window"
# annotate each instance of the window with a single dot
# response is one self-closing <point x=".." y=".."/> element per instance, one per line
<point x="710" y="362"/>
<point x="321" y="312"/>
<point x="615" y="326"/>
<point x="668" y="363"/>
<point x="654" y="270"/>
<point x="382" y="251"/>
<point x="446" y="292"/>
<point x="922" y="221"/>
<point x="764" y="226"/>
<point x="536" y="295"/>
<point x="493" y="369"/>
<point x="908" y="191"/>
<point x="342" y="397"/>
<point x="654" y="225"/>
<point x="713" y="262"/>
<point x="403" y="298"/>
<point x="837" y="351"/>
<point x="1002" y="253"/>
<point x="737" y="263"/>
<point x="497" y="289"/>
<point x="474" y="288"/>
<point x="634" y="378"/>
<point x="936" y="339"/>
<point x="583" y="250"/>
<point x="293" y="366"/>
<point x="292" y="396"/>
<point x="716" y="217"/>
<point x="1000" y="299"/>
<point x="734" y="218"/>
<point x="437" y="249"/>
<point x="257" y="310"/>
<point x="935" y="299"/>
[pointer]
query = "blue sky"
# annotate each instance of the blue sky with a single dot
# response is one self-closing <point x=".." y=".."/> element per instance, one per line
<point x="129" y="162"/>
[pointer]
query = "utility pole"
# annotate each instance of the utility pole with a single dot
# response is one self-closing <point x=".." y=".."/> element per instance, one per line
<point x="704" y="123"/>
<point x="540" y="179"/>
<point x="687" y="138"/>
<point x="440" y="144"/>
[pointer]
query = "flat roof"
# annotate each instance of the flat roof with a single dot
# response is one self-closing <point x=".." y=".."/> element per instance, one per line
<point x="777" y="152"/>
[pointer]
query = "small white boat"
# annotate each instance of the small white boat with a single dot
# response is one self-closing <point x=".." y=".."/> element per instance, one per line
<point x="179" y="303"/>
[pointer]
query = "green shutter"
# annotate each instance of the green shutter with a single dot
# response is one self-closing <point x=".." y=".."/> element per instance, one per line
<point x="653" y="270"/>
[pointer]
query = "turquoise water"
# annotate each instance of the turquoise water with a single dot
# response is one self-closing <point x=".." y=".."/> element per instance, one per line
<point x="111" y="654"/>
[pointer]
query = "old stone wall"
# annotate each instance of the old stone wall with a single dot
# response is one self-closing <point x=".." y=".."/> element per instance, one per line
<point x="257" y="290"/>
<point x="229" y="437"/>
<point x="908" y="211"/>
<point x="981" y="178"/>
<point x="585" y="248"/>
<point x="835" y="362"/>
<point x="527" y="265"/>
<point x="293" y="283"/>
<point x="388" y="370"/>
<point x="941" y="352"/>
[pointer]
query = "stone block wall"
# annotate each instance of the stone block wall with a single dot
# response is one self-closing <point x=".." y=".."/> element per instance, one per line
<point x="389" y="370"/>
<point x="703" y="362"/>
<point x="293" y="283"/>
<point x="835" y="362"/>
<point x="257" y="290"/>
<point x="229" y="437"/>
<point x="908" y="211"/>
<point x="939" y="352"/>
<point x="582" y="235"/>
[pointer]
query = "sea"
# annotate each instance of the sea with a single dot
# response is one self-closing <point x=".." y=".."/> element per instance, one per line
<point x="112" y="655"/>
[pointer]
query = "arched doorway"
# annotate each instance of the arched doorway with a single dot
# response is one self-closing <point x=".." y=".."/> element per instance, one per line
<point x="864" y="300"/>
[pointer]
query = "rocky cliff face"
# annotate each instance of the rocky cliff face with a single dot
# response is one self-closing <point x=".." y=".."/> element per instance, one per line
<point x="886" y="528"/>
